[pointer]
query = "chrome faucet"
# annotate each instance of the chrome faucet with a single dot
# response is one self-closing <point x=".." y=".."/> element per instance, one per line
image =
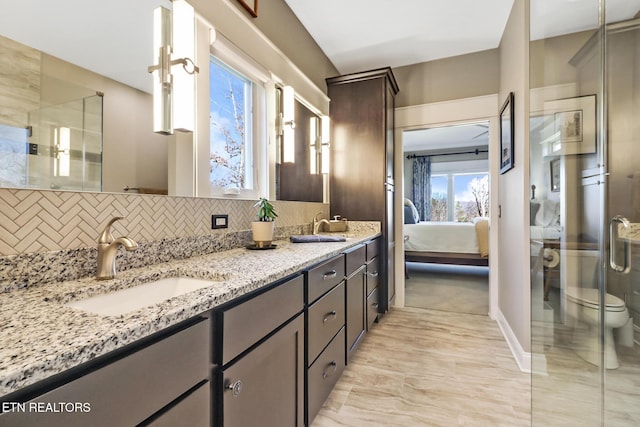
<point x="316" y="222"/>
<point x="107" y="249"/>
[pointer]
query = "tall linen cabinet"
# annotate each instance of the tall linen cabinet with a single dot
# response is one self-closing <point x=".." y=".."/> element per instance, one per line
<point x="362" y="157"/>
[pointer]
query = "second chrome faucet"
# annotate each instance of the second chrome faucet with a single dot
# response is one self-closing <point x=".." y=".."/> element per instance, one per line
<point x="107" y="249"/>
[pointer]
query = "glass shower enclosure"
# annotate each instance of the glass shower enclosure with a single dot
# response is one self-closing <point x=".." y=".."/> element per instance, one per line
<point x="60" y="148"/>
<point x="585" y="212"/>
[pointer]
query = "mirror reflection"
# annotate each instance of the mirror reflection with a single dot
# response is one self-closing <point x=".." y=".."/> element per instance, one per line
<point x="298" y="172"/>
<point x="76" y="106"/>
<point x="76" y="110"/>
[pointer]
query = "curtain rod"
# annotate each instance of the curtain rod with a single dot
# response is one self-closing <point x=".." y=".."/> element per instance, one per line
<point x="476" y="152"/>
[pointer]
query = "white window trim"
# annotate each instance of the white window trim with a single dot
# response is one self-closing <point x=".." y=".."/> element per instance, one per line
<point x="225" y="51"/>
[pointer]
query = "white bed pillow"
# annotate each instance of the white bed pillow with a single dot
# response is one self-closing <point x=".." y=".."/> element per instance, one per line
<point x="414" y="211"/>
<point x="548" y="214"/>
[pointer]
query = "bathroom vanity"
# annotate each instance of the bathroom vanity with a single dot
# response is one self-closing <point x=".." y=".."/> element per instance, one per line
<point x="264" y="345"/>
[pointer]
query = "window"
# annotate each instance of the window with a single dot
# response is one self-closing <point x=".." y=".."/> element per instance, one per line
<point x="13" y="156"/>
<point x="459" y="197"/>
<point x="232" y="144"/>
<point x="231" y="136"/>
<point x="439" y="198"/>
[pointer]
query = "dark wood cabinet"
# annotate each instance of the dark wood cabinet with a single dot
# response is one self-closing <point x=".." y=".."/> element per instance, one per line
<point x="265" y="387"/>
<point x="259" y="354"/>
<point x="325" y="331"/>
<point x="147" y="382"/>
<point x="355" y="284"/>
<point x="362" y="158"/>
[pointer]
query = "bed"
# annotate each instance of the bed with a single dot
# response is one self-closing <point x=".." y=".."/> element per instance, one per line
<point x="463" y="243"/>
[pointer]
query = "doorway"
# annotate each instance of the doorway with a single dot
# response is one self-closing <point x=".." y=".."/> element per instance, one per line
<point x="446" y="182"/>
<point x="411" y="122"/>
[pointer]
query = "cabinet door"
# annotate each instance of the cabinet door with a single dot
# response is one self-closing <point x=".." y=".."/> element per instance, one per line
<point x="266" y="386"/>
<point x="355" y="309"/>
<point x="391" y="283"/>
<point x="130" y="389"/>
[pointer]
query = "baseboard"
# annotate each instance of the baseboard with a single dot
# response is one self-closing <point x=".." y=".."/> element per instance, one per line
<point x="522" y="358"/>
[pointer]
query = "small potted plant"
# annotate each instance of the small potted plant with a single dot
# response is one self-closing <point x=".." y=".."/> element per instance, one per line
<point x="263" y="228"/>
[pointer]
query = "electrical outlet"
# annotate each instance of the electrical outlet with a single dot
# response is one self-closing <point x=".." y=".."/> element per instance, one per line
<point x="219" y="221"/>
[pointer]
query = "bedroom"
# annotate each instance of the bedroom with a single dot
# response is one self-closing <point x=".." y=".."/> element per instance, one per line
<point x="446" y="206"/>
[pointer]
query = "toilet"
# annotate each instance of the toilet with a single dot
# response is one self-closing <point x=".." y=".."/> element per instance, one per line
<point x="582" y="303"/>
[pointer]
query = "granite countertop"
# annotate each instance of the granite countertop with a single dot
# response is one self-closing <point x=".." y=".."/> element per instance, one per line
<point x="41" y="337"/>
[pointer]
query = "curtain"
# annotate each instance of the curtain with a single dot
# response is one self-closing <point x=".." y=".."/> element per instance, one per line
<point x="422" y="186"/>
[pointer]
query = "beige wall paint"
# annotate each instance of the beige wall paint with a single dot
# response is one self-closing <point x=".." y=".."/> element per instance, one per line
<point x="550" y="59"/>
<point x="513" y="268"/>
<point x="132" y="154"/>
<point x="459" y="77"/>
<point x="277" y="22"/>
<point x="305" y="71"/>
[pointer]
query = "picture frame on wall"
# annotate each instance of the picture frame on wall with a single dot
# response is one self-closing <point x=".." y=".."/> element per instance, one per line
<point x="554" y="174"/>
<point x="569" y="126"/>
<point x="251" y="6"/>
<point x="507" y="128"/>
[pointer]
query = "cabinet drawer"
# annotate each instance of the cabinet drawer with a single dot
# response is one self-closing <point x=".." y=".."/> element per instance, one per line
<point x="355" y="258"/>
<point x="373" y="249"/>
<point x="194" y="410"/>
<point x="373" y="274"/>
<point x="249" y="322"/>
<point x="372" y="308"/>
<point x="131" y="389"/>
<point x="325" y="318"/>
<point x="324" y="373"/>
<point x="324" y="277"/>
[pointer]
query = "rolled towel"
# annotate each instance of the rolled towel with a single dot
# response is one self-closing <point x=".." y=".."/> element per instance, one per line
<point x="312" y="238"/>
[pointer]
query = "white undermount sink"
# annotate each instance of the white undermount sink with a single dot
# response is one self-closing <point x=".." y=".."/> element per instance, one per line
<point x="145" y="295"/>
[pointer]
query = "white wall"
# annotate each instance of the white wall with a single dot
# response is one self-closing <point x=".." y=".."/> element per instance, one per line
<point x="513" y="195"/>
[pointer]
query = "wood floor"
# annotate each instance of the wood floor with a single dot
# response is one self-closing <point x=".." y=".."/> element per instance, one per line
<point x="421" y="367"/>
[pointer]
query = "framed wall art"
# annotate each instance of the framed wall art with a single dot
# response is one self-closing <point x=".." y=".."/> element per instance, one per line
<point x="507" y="128"/>
<point x="570" y="126"/>
<point x="251" y="6"/>
<point x="554" y="174"/>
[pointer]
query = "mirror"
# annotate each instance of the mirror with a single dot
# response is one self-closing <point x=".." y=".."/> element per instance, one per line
<point x="76" y="110"/>
<point x="298" y="172"/>
<point x="76" y="103"/>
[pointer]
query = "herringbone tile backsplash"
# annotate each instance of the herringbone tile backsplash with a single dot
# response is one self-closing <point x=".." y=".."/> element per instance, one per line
<point x="43" y="221"/>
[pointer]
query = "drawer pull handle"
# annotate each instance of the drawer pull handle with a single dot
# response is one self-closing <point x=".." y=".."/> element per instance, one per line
<point x="235" y="387"/>
<point x="375" y="305"/>
<point x="333" y="367"/>
<point x="373" y="274"/>
<point x="329" y="316"/>
<point x="329" y="275"/>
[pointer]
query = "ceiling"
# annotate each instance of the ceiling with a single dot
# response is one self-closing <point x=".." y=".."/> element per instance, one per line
<point x="359" y="35"/>
<point x="446" y="137"/>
